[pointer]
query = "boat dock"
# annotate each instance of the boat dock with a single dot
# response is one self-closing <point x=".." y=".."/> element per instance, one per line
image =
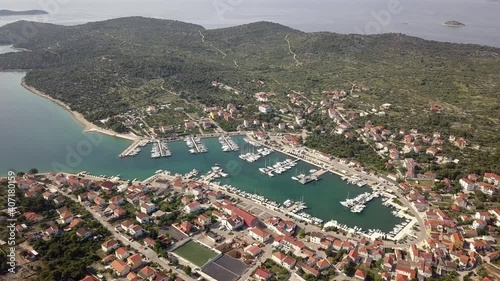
<point x="132" y="150"/>
<point x="228" y="144"/>
<point x="279" y="167"/>
<point x="312" y="177"/>
<point x="164" y="151"/>
<point x="195" y="145"/>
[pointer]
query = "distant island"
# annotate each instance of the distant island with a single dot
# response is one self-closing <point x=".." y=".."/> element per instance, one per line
<point x="22" y="13"/>
<point x="453" y="23"/>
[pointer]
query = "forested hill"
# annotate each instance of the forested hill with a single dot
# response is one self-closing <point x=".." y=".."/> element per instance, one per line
<point x="86" y="66"/>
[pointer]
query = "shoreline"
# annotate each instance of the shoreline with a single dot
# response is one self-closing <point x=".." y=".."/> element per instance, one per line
<point x="88" y="126"/>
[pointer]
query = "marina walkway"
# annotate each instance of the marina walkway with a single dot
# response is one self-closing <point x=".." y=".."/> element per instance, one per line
<point x="130" y="149"/>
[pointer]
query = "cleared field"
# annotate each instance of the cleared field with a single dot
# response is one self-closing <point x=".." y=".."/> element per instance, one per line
<point x="195" y="253"/>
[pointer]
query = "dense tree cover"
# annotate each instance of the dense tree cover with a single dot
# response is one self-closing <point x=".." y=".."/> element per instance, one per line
<point x="339" y="146"/>
<point x="66" y="257"/>
<point x="86" y="65"/>
<point x="100" y="69"/>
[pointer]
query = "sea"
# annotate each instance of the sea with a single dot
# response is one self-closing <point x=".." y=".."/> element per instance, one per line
<point x="421" y="18"/>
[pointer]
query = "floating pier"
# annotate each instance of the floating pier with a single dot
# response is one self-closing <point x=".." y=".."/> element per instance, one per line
<point x="228" y="144"/>
<point x="195" y="145"/>
<point x="316" y="176"/>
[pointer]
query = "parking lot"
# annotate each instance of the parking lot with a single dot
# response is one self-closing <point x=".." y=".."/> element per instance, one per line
<point x="259" y="211"/>
<point x="174" y="233"/>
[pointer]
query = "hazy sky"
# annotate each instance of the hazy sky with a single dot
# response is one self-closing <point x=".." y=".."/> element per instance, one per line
<point x="421" y="18"/>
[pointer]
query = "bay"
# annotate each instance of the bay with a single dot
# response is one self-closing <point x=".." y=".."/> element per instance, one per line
<point x="37" y="133"/>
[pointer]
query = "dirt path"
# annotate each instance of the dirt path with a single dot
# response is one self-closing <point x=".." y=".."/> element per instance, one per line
<point x="224" y="55"/>
<point x="297" y="62"/>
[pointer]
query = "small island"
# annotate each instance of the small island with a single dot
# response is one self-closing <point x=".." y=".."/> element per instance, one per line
<point x="453" y="23"/>
<point x="22" y="13"/>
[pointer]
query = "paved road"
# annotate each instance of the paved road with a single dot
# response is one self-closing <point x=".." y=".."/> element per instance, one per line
<point x="147" y="252"/>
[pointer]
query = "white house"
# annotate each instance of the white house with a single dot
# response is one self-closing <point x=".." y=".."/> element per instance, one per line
<point x="109" y="245"/>
<point x="148" y="208"/>
<point x="479" y="224"/>
<point x="136" y="230"/>
<point x="265" y="108"/>
<point x="232" y="223"/>
<point x="467" y="184"/>
<point x="192" y="207"/>
<point x="284" y="260"/>
<point x="259" y="234"/>
<point x="142" y="217"/>
<point x="482" y="216"/>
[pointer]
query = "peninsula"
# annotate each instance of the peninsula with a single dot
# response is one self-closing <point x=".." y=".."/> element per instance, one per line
<point x="4" y="13"/>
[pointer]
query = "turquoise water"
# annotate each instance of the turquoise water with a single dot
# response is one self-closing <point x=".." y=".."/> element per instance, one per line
<point x="37" y="133"/>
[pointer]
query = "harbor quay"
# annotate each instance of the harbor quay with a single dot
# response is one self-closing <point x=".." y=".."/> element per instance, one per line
<point x="243" y="186"/>
<point x="381" y="185"/>
<point x="236" y="185"/>
<point x="267" y="208"/>
<point x="135" y="147"/>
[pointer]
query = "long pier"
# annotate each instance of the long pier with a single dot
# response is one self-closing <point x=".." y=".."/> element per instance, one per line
<point x="130" y="149"/>
<point x="195" y="144"/>
<point x="228" y="143"/>
<point x="273" y="170"/>
<point x="163" y="150"/>
<point x="312" y="177"/>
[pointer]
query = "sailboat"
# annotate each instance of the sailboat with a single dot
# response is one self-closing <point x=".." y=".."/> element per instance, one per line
<point x="295" y="177"/>
<point x="344" y="203"/>
<point x="265" y="169"/>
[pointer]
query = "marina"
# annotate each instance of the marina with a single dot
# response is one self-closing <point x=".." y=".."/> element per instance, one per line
<point x="357" y="204"/>
<point x="288" y="207"/>
<point x="249" y="141"/>
<point x="354" y="180"/>
<point x="195" y="145"/>
<point x="215" y="173"/>
<point x="279" y="167"/>
<point x="314" y="175"/>
<point x="160" y="149"/>
<point x="105" y="149"/>
<point x="228" y="144"/>
<point x="134" y="148"/>
<point x="253" y="155"/>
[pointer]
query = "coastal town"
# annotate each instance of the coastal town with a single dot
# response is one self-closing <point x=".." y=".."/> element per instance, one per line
<point x="185" y="227"/>
<point x="174" y="226"/>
